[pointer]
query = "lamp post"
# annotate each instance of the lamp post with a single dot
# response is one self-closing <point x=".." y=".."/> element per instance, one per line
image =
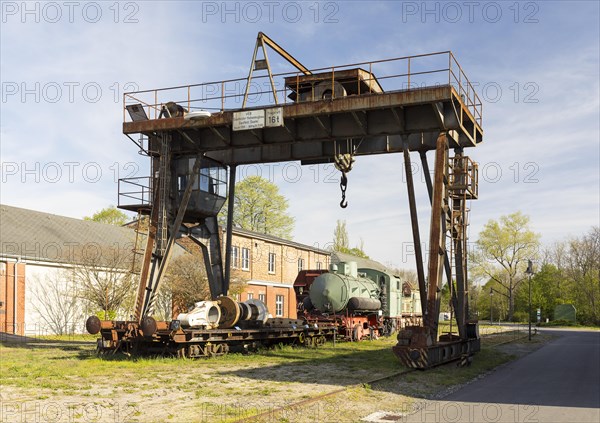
<point x="491" y="305"/>
<point x="529" y="273"/>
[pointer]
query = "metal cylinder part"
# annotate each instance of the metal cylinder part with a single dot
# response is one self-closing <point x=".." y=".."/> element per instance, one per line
<point x="363" y="304"/>
<point x="245" y="311"/>
<point x="230" y="312"/>
<point x="93" y="325"/>
<point x="148" y="326"/>
<point x="205" y="314"/>
<point x="259" y="310"/>
<point x="325" y="90"/>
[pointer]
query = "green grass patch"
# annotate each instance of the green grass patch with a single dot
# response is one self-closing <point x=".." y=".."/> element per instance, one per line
<point x="233" y="386"/>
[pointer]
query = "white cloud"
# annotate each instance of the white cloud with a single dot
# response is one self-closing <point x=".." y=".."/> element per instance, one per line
<point x="177" y="43"/>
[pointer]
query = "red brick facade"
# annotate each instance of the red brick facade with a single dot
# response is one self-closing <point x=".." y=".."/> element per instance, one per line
<point x="8" y="322"/>
<point x="269" y="266"/>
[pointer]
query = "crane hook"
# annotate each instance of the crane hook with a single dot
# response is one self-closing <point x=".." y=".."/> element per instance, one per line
<point x="343" y="186"/>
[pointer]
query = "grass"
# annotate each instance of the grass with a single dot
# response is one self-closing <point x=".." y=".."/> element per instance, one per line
<point x="68" y="371"/>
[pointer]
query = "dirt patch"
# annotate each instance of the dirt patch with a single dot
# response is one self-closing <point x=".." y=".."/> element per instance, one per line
<point x="67" y="383"/>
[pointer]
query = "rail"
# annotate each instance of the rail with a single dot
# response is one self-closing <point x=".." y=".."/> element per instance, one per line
<point x="398" y="74"/>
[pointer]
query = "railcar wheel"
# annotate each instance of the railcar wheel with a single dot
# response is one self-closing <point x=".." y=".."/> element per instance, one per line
<point x="301" y="338"/>
<point x="181" y="353"/>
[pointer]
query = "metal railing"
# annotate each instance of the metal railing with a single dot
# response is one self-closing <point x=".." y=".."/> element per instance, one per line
<point x="135" y="191"/>
<point x="398" y="74"/>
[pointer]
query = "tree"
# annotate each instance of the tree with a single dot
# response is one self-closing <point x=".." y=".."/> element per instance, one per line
<point x="104" y="277"/>
<point x="259" y="207"/>
<point x="341" y="241"/>
<point x="110" y="215"/>
<point x="502" y="251"/>
<point x="545" y="291"/>
<point x="187" y="282"/>
<point x="582" y="272"/>
<point x="340" y="236"/>
<point x="56" y="301"/>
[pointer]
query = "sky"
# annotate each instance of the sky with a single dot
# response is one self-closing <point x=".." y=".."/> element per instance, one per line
<point x="64" y="67"/>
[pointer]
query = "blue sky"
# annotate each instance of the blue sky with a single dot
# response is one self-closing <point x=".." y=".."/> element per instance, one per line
<point x="64" y="69"/>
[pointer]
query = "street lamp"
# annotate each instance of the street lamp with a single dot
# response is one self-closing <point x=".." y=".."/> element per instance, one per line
<point x="529" y="273"/>
<point x="491" y="305"/>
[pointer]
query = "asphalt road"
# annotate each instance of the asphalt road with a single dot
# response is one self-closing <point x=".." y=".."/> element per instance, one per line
<point x="559" y="382"/>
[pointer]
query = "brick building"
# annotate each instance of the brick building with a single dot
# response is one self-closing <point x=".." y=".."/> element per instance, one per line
<point x="269" y="265"/>
<point x="35" y="247"/>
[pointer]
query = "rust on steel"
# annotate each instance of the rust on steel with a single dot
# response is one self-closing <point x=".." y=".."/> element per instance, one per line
<point x="415" y="226"/>
<point x="145" y="266"/>
<point x="437" y="247"/>
<point x="306" y="109"/>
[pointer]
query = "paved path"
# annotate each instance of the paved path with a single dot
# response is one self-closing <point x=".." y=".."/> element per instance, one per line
<point x="560" y="382"/>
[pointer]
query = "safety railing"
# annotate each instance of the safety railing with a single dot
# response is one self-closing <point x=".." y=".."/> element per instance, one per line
<point x="398" y="74"/>
<point x="135" y="192"/>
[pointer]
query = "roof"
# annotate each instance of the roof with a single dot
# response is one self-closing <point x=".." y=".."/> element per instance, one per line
<point x="265" y="237"/>
<point x="362" y="263"/>
<point x="38" y="236"/>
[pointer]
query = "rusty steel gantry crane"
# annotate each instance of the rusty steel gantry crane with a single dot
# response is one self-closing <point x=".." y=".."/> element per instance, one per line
<point x="194" y="133"/>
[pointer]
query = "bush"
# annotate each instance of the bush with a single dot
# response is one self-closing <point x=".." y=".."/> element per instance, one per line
<point x="520" y="316"/>
<point x="109" y="315"/>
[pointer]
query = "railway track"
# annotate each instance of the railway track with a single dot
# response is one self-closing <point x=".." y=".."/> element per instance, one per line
<point x="305" y="402"/>
<point x="320" y="397"/>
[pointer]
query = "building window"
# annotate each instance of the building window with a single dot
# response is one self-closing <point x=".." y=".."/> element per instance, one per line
<point x="272" y="262"/>
<point x="319" y="264"/>
<point x="262" y="297"/>
<point x="250" y="295"/>
<point x="245" y="259"/>
<point x="235" y="257"/>
<point x="300" y="264"/>
<point x="279" y="305"/>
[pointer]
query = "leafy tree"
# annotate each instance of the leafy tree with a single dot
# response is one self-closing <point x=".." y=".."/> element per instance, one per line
<point x="502" y="251"/>
<point x="582" y="274"/>
<point x="259" y="207"/>
<point x="110" y="215"/>
<point x="341" y="241"/>
<point x="545" y="292"/>
<point x="340" y="236"/>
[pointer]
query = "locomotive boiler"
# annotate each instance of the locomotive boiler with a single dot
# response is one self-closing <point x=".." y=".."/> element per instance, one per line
<point x="344" y="288"/>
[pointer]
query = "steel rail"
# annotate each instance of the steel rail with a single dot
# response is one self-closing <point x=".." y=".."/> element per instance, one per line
<point x="321" y="396"/>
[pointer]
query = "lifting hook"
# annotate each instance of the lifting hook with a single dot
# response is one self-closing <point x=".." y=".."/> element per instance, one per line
<point x="343" y="186"/>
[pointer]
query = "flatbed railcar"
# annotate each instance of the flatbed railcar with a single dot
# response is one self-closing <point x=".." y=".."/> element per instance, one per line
<point x="170" y="338"/>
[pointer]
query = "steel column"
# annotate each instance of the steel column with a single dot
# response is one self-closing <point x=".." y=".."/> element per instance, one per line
<point x="415" y="228"/>
<point x="437" y="247"/>
<point x="229" y="236"/>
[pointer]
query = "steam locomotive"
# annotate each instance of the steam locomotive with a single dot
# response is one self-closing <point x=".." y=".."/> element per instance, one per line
<point x="362" y="302"/>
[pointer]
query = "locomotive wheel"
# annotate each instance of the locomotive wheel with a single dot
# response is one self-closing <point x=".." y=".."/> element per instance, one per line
<point x="301" y="338"/>
<point x="319" y="341"/>
<point x="181" y="353"/>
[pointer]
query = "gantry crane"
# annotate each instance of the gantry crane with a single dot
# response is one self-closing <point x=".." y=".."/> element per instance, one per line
<point x="316" y="116"/>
